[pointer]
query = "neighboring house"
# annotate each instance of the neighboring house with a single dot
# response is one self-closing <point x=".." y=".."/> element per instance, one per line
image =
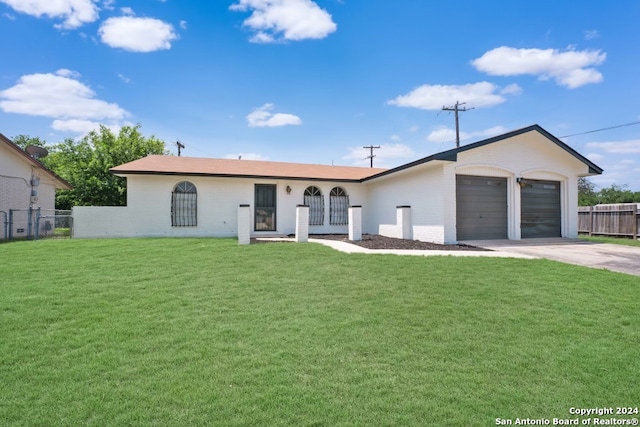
<point x="517" y="185"/>
<point x="24" y="183"/>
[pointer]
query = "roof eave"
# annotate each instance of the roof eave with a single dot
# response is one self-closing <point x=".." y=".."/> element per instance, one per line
<point x="65" y="184"/>
<point x="445" y="156"/>
<point x="122" y="173"/>
<point x="452" y="155"/>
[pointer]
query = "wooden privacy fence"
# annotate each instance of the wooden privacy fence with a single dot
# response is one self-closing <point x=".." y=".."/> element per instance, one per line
<point x="610" y="220"/>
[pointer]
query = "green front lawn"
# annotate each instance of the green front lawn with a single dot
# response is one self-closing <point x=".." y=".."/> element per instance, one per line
<point x="186" y="332"/>
<point x="615" y="240"/>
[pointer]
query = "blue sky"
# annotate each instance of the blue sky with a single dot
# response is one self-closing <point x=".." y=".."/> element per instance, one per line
<point x="315" y="81"/>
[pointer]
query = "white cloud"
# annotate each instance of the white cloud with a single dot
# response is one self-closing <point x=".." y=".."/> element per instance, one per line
<point x="261" y="37"/>
<point x="183" y="24"/>
<point x="127" y="11"/>
<point x="108" y="4"/>
<point x="137" y="34"/>
<point x="512" y="89"/>
<point x="68" y="73"/>
<point x="391" y="151"/>
<point x="385" y="156"/>
<point x="59" y="96"/>
<point x="618" y="166"/>
<point x="496" y="130"/>
<point x="9" y="16"/>
<point x="75" y="125"/>
<point x="568" y="68"/>
<point x="263" y="117"/>
<point x="445" y="134"/>
<point x="594" y="157"/>
<point x="434" y="97"/>
<point x="74" y="13"/>
<point x="83" y="127"/>
<point x="591" y="34"/>
<point x="124" y="78"/>
<point x="619" y="147"/>
<point x="285" y="19"/>
<point x="605" y="180"/>
<point x="246" y="156"/>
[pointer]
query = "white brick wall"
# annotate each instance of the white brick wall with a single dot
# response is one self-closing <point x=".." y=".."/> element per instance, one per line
<point x="302" y="224"/>
<point x="148" y="211"/>
<point x="420" y="187"/>
<point x="104" y="221"/>
<point x="403" y="228"/>
<point x="431" y="189"/>
<point x="15" y="189"/>
<point x="244" y="224"/>
<point x="355" y="223"/>
<point x="357" y="196"/>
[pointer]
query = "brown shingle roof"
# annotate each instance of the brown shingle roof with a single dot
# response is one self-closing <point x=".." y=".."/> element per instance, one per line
<point x="173" y="165"/>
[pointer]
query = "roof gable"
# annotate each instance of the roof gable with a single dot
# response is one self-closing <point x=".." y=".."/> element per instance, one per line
<point x="61" y="183"/>
<point x="452" y="155"/>
<point x="195" y="166"/>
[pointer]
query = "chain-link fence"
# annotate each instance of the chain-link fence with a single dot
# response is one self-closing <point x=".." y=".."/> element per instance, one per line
<point x="36" y="223"/>
<point x="4" y="226"/>
<point x="54" y="223"/>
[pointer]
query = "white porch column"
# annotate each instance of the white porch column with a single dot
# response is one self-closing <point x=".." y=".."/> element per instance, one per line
<point x="355" y="223"/>
<point x="244" y="224"/>
<point x="403" y="221"/>
<point x="302" y="223"/>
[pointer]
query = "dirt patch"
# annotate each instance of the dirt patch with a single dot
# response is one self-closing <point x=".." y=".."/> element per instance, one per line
<point x="376" y="241"/>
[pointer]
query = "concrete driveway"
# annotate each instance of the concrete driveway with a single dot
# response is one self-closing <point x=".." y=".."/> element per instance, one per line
<point x="624" y="259"/>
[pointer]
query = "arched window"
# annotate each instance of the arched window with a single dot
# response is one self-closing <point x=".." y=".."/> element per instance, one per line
<point x="184" y="205"/>
<point x="338" y="207"/>
<point x="313" y="199"/>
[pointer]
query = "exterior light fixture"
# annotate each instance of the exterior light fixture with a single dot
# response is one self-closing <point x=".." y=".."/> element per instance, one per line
<point x="288" y="189"/>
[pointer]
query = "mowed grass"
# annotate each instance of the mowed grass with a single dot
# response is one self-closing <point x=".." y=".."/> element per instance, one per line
<point x="186" y="332"/>
<point x="615" y="240"/>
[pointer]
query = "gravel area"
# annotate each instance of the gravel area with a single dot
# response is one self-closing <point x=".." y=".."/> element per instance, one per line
<point x="375" y="241"/>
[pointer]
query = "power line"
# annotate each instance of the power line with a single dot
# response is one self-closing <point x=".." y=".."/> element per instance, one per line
<point x="457" y="108"/>
<point x="180" y="146"/>
<point x="371" y="156"/>
<point x="603" y="129"/>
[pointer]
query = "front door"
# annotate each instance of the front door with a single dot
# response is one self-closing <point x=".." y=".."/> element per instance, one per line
<point x="265" y="207"/>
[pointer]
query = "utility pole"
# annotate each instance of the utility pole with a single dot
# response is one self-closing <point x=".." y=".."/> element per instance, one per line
<point x="371" y="148"/>
<point x="180" y="145"/>
<point x="457" y="108"/>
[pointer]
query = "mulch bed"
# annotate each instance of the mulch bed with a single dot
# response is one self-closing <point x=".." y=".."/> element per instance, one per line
<point x="375" y="241"/>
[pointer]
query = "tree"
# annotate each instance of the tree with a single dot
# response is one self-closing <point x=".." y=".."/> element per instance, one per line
<point x="587" y="195"/>
<point x="617" y="194"/>
<point x="23" y="141"/>
<point x="85" y="164"/>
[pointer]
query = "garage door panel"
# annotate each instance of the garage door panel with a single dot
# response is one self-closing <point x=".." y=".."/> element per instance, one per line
<point x="540" y="209"/>
<point x="481" y="204"/>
